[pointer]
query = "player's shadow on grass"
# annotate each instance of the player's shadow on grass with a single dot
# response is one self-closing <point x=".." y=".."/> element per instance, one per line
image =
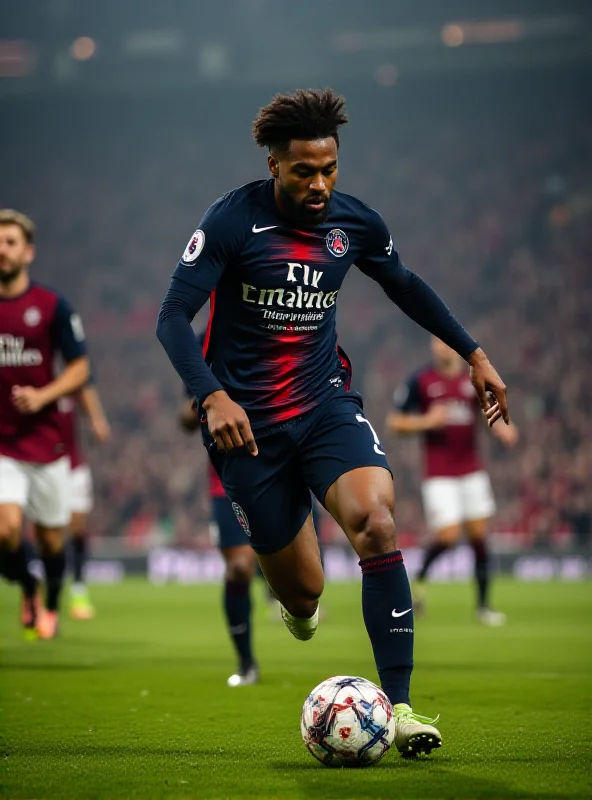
<point x="397" y="777"/>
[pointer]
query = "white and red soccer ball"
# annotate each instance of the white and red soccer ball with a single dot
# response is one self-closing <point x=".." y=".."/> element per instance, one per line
<point x="347" y="722"/>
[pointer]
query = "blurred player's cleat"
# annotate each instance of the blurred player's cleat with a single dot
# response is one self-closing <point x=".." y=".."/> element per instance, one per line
<point x="491" y="618"/>
<point x="414" y="734"/>
<point x="80" y="604"/>
<point x="301" y="628"/>
<point x="246" y="676"/>
<point x="48" y="625"/>
<point x="419" y="593"/>
<point x="31" y="608"/>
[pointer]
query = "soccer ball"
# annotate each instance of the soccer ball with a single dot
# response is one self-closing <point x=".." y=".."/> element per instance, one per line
<point x="347" y="722"/>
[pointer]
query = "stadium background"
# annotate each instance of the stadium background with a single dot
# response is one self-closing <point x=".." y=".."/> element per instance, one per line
<point x="471" y="132"/>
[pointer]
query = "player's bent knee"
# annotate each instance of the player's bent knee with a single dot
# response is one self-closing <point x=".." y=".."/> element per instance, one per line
<point x="240" y="570"/>
<point x="449" y="537"/>
<point x="51" y="541"/>
<point x="374" y="533"/>
<point x="9" y="535"/>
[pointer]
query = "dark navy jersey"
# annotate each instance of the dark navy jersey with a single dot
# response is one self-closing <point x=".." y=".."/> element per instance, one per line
<point x="271" y="340"/>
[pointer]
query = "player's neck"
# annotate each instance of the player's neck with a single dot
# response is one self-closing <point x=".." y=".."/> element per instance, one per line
<point x="449" y="370"/>
<point x="279" y="204"/>
<point x="16" y="287"/>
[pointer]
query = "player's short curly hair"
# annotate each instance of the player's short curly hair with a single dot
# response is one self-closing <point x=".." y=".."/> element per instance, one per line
<point x="8" y="216"/>
<point x="306" y="114"/>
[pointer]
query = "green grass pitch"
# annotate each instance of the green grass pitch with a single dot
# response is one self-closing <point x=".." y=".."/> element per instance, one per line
<point x="134" y="704"/>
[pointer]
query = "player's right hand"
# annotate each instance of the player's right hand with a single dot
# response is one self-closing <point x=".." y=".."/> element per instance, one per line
<point x="228" y="423"/>
<point x="436" y="417"/>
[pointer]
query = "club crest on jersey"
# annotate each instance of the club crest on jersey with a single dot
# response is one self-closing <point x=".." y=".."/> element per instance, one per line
<point x="194" y="246"/>
<point x="242" y="518"/>
<point x="32" y="317"/>
<point x="337" y="242"/>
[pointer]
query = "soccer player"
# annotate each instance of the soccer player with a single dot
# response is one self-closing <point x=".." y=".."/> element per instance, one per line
<point x="81" y="488"/>
<point x="441" y="403"/>
<point x="36" y="325"/>
<point x="273" y="387"/>
<point x="240" y="562"/>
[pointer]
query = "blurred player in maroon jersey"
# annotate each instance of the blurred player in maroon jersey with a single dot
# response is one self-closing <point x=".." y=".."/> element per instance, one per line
<point x="240" y="560"/>
<point x="36" y="325"/>
<point x="441" y="403"/>
<point x="81" y="487"/>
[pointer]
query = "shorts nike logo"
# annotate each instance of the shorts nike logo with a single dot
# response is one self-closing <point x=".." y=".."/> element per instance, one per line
<point x="255" y="229"/>
<point x="400" y="613"/>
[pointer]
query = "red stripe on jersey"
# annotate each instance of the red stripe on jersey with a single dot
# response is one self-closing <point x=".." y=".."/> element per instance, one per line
<point x="208" y="332"/>
<point x="216" y="488"/>
<point x="346" y="364"/>
<point x="311" y="251"/>
<point x="283" y="367"/>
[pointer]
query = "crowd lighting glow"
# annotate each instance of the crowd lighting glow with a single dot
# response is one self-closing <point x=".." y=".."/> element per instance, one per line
<point x="83" y="48"/>
<point x="452" y="35"/>
<point x="496" y="31"/>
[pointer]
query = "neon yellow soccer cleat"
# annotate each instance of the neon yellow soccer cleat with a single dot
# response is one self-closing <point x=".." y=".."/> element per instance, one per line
<point x="414" y="734"/>
<point x="301" y="628"/>
<point x="81" y="607"/>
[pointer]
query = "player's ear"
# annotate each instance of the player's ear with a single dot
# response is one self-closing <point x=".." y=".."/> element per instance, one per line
<point x="30" y="253"/>
<point x="274" y="165"/>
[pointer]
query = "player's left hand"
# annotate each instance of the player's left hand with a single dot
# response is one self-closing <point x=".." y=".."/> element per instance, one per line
<point x="490" y="388"/>
<point x="101" y="430"/>
<point x="27" y="399"/>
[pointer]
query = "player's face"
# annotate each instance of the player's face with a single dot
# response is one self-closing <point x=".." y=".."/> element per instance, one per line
<point x="306" y="175"/>
<point x="15" y="252"/>
<point x="444" y="356"/>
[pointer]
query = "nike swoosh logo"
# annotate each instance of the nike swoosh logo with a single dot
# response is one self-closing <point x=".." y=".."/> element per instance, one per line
<point x="255" y="229"/>
<point x="400" y="613"/>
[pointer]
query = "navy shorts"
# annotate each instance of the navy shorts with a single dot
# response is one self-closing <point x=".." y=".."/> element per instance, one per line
<point x="270" y="492"/>
<point x="230" y="532"/>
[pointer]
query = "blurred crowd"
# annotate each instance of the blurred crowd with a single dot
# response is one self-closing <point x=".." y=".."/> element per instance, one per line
<point x="495" y="213"/>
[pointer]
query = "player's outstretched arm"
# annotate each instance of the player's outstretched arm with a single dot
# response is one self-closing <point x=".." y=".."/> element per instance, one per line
<point x="421" y="303"/>
<point x="490" y="388"/>
<point x="227" y="421"/>
<point x="434" y="419"/>
<point x="91" y="404"/>
<point x="211" y="248"/>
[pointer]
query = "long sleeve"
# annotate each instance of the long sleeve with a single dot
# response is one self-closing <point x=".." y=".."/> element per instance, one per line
<point x="409" y="291"/>
<point x="195" y="277"/>
<point x="173" y="328"/>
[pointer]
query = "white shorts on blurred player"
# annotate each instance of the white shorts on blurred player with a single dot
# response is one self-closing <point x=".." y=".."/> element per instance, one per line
<point x="81" y="490"/>
<point x="452" y="501"/>
<point x="41" y="490"/>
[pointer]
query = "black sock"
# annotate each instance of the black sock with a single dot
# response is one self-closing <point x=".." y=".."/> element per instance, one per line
<point x="481" y="572"/>
<point x="55" y="569"/>
<point x="15" y="567"/>
<point x="429" y="556"/>
<point x="79" y="556"/>
<point x="237" y="606"/>
<point x="386" y="593"/>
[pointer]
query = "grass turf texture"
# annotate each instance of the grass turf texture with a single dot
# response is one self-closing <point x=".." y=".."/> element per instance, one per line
<point x="134" y="704"/>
